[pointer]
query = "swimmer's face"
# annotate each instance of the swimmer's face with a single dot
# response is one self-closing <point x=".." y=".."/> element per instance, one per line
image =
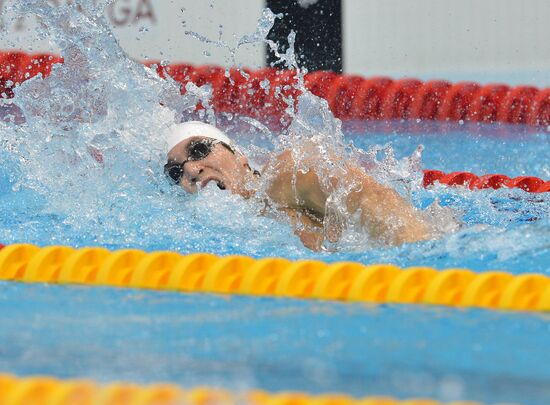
<point x="207" y="161"/>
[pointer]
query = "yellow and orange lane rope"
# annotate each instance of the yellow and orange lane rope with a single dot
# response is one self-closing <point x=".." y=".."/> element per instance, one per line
<point x="52" y="391"/>
<point x="277" y="277"/>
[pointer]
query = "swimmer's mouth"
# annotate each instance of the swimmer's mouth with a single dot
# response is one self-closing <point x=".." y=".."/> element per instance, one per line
<point x="219" y="183"/>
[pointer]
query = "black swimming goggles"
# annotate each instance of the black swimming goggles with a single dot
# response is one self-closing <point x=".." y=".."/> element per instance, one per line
<point x="196" y="150"/>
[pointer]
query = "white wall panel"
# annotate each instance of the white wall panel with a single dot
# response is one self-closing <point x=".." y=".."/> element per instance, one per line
<point x="455" y="39"/>
<point x="412" y="37"/>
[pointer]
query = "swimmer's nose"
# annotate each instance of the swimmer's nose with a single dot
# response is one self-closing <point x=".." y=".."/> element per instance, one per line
<point x="192" y="171"/>
<point x="196" y="178"/>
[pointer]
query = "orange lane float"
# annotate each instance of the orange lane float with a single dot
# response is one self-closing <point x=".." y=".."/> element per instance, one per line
<point x="45" y="390"/>
<point x="275" y="277"/>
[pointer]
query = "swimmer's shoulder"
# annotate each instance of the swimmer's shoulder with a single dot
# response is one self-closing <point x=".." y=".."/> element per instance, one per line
<point x="292" y="188"/>
<point x="282" y="161"/>
<point x="278" y="173"/>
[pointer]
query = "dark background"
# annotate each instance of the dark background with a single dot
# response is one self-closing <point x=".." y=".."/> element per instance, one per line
<point x="318" y="32"/>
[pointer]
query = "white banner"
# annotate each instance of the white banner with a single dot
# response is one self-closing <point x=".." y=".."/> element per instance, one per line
<point x="156" y="29"/>
<point x="483" y="40"/>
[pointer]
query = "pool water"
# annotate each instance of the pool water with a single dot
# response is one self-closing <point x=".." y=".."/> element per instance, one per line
<point x="240" y="343"/>
<point x="119" y="205"/>
<point x="52" y="191"/>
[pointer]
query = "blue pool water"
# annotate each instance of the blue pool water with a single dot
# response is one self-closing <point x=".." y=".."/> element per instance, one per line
<point x="241" y="342"/>
<point x="53" y="192"/>
<point x="506" y="229"/>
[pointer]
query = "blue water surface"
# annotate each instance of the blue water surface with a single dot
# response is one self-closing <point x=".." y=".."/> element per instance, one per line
<point x="507" y="229"/>
<point x="53" y="192"/>
<point x="275" y="344"/>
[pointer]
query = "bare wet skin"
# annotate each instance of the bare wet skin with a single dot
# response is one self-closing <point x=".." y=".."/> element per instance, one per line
<point x="385" y="215"/>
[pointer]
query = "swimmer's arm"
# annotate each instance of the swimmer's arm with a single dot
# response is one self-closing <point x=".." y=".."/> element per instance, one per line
<point x="386" y="215"/>
<point x="308" y="230"/>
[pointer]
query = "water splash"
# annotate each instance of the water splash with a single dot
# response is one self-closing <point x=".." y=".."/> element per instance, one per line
<point x="264" y="25"/>
<point x="100" y="103"/>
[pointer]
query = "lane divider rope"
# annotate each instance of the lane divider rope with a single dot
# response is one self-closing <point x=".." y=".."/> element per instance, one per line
<point x="44" y="390"/>
<point x="350" y="97"/>
<point x="527" y="183"/>
<point x="16" y="67"/>
<point x="276" y="277"/>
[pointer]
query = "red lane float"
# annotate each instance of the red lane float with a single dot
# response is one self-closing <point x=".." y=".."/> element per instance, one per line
<point x="16" y="67"/>
<point x="472" y="181"/>
<point x="350" y="97"/>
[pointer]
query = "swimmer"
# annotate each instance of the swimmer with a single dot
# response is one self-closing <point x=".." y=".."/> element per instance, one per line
<point x="199" y="154"/>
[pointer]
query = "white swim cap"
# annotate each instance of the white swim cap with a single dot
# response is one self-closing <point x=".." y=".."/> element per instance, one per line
<point x="180" y="132"/>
